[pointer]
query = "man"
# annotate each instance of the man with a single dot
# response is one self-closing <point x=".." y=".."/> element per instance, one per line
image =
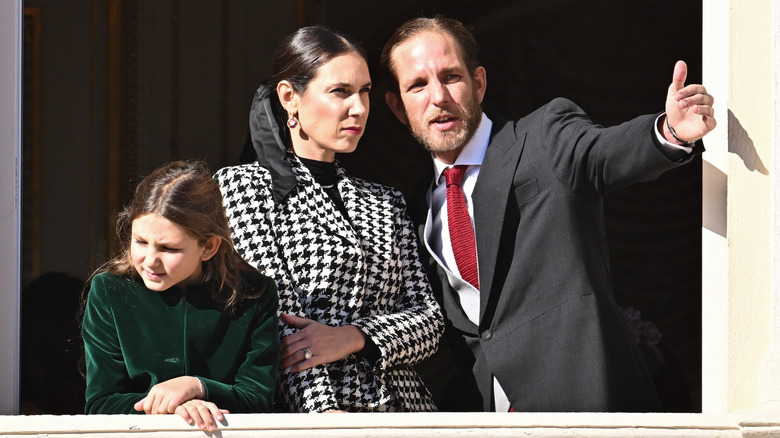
<point x="527" y="295"/>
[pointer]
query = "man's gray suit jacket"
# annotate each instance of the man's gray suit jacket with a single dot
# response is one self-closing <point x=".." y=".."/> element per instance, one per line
<point x="550" y="329"/>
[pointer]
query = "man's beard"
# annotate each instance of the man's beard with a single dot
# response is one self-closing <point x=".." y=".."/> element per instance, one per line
<point x="450" y="141"/>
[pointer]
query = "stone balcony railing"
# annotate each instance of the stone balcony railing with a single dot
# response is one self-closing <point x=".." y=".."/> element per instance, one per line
<point x="740" y="424"/>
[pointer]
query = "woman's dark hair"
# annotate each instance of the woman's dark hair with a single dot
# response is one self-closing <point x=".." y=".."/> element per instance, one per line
<point x="300" y="55"/>
<point x="186" y="194"/>
<point x="437" y="24"/>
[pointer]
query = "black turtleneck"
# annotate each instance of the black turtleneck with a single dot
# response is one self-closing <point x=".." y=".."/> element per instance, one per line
<point x="324" y="173"/>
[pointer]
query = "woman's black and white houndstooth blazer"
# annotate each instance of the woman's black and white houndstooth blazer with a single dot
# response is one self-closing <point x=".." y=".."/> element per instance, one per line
<point x="362" y="270"/>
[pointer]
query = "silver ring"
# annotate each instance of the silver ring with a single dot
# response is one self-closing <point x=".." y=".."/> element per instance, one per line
<point x="306" y="353"/>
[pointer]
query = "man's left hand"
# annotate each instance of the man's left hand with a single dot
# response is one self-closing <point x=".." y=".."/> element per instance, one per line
<point x="688" y="108"/>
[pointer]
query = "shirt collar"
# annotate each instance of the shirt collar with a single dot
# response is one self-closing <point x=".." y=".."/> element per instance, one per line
<point x="472" y="154"/>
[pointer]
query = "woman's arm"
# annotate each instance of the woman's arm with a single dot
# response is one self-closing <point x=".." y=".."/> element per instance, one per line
<point x="410" y="334"/>
<point x="404" y="332"/>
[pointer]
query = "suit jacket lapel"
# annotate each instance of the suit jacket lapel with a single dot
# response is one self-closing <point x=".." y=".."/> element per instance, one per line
<point x="490" y="197"/>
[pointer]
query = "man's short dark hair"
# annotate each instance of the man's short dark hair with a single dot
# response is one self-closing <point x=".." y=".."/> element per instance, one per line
<point x="437" y="24"/>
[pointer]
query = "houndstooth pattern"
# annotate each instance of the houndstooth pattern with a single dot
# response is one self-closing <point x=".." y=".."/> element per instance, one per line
<point x="363" y="271"/>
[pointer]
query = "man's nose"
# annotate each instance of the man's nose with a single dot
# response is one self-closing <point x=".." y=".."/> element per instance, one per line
<point x="440" y="95"/>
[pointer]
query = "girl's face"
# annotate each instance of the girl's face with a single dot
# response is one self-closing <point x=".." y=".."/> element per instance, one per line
<point x="165" y="255"/>
<point x="333" y="110"/>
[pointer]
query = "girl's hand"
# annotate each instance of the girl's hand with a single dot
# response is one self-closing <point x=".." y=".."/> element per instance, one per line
<point x="201" y="413"/>
<point x="325" y="343"/>
<point x="165" y="397"/>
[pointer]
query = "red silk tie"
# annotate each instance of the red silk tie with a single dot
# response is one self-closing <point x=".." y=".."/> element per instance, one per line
<point x="461" y="234"/>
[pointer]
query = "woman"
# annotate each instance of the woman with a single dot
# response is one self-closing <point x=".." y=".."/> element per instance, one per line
<point x="178" y="322"/>
<point x="356" y="312"/>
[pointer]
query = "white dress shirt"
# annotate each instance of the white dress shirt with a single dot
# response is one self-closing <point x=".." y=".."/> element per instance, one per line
<point x="437" y="233"/>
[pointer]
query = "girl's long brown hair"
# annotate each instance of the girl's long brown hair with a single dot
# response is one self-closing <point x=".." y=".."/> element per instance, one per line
<point x="186" y="194"/>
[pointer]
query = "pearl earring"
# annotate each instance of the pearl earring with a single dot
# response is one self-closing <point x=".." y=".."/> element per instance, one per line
<point x="292" y="122"/>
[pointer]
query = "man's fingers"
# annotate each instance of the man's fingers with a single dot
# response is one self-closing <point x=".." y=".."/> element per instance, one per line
<point x="704" y="110"/>
<point x="694" y="94"/>
<point x="679" y="76"/>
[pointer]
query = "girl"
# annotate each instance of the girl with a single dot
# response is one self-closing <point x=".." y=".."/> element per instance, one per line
<point x="357" y="309"/>
<point x="178" y="322"/>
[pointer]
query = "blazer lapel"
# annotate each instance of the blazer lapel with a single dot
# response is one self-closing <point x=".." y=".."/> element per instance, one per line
<point x="362" y="224"/>
<point x="490" y="197"/>
<point x="322" y="211"/>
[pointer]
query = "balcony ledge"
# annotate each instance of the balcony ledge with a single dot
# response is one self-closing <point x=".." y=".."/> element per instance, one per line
<point x="408" y="425"/>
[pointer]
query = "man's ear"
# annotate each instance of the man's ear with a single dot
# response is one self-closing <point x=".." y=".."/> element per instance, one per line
<point x="480" y="82"/>
<point x="393" y="100"/>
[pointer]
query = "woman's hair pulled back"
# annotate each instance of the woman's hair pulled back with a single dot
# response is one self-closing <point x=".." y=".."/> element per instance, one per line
<point x="300" y="55"/>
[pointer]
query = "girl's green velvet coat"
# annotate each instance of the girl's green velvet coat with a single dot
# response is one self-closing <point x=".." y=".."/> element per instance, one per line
<point x="135" y="338"/>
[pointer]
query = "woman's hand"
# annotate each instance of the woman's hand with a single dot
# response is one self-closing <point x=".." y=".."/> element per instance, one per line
<point x="165" y="397"/>
<point x="327" y="344"/>
<point x="201" y="413"/>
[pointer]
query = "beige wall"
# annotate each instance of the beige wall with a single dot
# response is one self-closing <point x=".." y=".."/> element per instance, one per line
<point x="769" y="383"/>
<point x="740" y="191"/>
<point x="749" y="198"/>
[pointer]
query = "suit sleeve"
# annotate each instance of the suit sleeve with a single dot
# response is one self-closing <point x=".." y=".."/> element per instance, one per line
<point x="109" y="387"/>
<point x="253" y="387"/>
<point x="593" y="160"/>
<point x="249" y="205"/>
<point x="410" y="334"/>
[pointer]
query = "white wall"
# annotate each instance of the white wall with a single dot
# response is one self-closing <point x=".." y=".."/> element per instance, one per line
<point x="715" y="256"/>
<point x="10" y="229"/>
